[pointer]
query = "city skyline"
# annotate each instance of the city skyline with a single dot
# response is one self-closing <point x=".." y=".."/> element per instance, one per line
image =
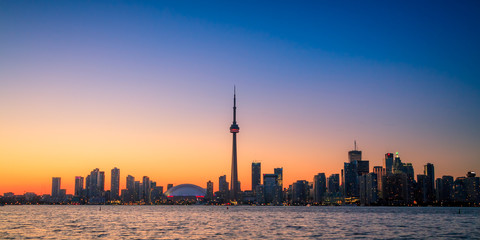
<point x="146" y="87"/>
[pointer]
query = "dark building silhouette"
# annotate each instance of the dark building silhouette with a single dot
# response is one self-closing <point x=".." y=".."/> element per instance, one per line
<point x="256" y="174"/>
<point x="350" y="179"/>
<point x="354" y="155"/>
<point x="234" y="129"/>
<point x="209" y="194"/>
<point x="388" y="163"/>
<point x="271" y="188"/>
<point x="115" y="184"/>
<point x="300" y="192"/>
<point x="319" y="187"/>
<point x="147" y="189"/>
<point x="395" y="189"/>
<point x="223" y="188"/>
<point x="429" y="172"/>
<point x="131" y="191"/>
<point x="333" y="183"/>
<point x="56" y="181"/>
<point x="363" y="167"/>
<point x="279" y="172"/>
<point x="380" y="172"/>
<point x="368" y="189"/>
<point x="78" y="186"/>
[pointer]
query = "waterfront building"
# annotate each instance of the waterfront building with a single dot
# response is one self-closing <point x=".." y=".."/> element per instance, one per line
<point x="56" y="181"/>
<point x="78" y="186"/>
<point x="147" y="189"/>
<point x="209" y="195"/>
<point x="395" y="189"/>
<point x="223" y="188"/>
<point x="429" y="172"/>
<point x="350" y="180"/>
<point x="130" y="193"/>
<point x="388" y="163"/>
<point x="319" y="188"/>
<point x="272" y="189"/>
<point x="333" y="183"/>
<point x="368" y="189"/>
<point x="256" y="174"/>
<point x="115" y="184"/>
<point x="300" y="192"/>
<point x="380" y="172"/>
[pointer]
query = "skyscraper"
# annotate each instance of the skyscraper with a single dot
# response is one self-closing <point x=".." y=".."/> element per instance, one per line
<point x="146" y="184"/>
<point x="56" y="187"/>
<point x="279" y="172"/>
<point x="333" y="183"/>
<point x="271" y="188"/>
<point x="78" y="186"/>
<point x="429" y="171"/>
<point x="234" y="129"/>
<point x="256" y="174"/>
<point x="355" y="155"/>
<point x="209" y="195"/>
<point x="388" y="163"/>
<point x="319" y="187"/>
<point x="115" y="184"/>
<point x="223" y="187"/>
<point x="130" y="189"/>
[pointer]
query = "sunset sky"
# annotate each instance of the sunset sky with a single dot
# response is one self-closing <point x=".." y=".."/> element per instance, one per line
<point x="147" y="87"/>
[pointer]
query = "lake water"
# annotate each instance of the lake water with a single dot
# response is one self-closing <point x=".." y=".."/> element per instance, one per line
<point x="237" y="222"/>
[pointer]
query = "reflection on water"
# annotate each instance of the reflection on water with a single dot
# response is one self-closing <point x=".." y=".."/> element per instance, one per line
<point x="239" y="222"/>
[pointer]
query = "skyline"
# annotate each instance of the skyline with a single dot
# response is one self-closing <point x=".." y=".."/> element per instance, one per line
<point x="147" y="87"/>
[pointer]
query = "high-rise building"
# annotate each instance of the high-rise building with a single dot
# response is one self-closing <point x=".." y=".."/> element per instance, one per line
<point x="209" y="195"/>
<point x="138" y="191"/>
<point x="147" y="189"/>
<point x="368" y="189"/>
<point x="395" y="189"/>
<point x="446" y="191"/>
<point x="300" y="192"/>
<point x="380" y="172"/>
<point x="56" y="187"/>
<point x="333" y="183"/>
<point x="429" y="171"/>
<point x="95" y="185"/>
<point x="350" y="179"/>
<point x="223" y="188"/>
<point x="130" y="197"/>
<point x="355" y="155"/>
<point x="388" y="163"/>
<point x="234" y="129"/>
<point x="256" y="174"/>
<point x="363" y="167"/>
<point x="319" y="187"/>
<point x="78" y="186"/>
<point x="279" y="172"/>
<point x="115" y="184"/>
<point x="271" y="188"/>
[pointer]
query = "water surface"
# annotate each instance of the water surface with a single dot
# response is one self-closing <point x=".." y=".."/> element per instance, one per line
<point x="239" y="222"/>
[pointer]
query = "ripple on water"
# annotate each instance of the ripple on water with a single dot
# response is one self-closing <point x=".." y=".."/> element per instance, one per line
<point x="244" y="222"/>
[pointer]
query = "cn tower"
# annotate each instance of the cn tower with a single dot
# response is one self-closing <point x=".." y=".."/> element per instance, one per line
<point x="234" y="129"/>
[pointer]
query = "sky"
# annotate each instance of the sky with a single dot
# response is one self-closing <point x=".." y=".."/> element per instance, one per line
<point x="147" y="87"/>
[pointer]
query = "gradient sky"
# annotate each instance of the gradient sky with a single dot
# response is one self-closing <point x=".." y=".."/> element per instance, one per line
<point x="147" y="86"/>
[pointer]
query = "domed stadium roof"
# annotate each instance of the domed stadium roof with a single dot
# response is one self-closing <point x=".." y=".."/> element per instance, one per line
<point x="185" y="190"/>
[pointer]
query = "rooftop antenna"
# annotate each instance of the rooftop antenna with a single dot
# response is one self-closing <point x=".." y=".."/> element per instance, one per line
<point x="355" y="143"/>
